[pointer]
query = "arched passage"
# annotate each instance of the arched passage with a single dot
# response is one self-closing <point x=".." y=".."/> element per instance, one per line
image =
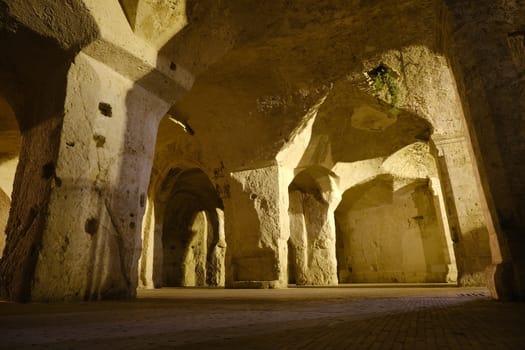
<point x="5" y="204"/>
<point x="189" y="214"/>
<point x="390" y="233"/>
<point x="311" y="246"/>
<point x="9" y="150"/>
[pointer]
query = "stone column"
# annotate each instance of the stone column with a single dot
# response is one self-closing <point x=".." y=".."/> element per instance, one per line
<point x="218" y="253"/>
<point x="7" y="175"/>
<point x="464" y="208"/>
<point x="5" y="204"/>
<point x="312" y="232"/>
<point x="490" y="73"/>
<point x="441" y="216"/>
<point x="298" y="238"/>
<point x="84" y="174"/>
<point x="323" y="261"/>
<point x="257" y="228"/>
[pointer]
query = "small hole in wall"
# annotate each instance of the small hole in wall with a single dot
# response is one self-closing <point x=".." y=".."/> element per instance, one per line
<point x="173" y="66"/>
<point x="142" y="200"/>
<point x="105" y="109"/>
<point x="91" y="226"/>
<point x="424" y="135"/>
<point x="378" y="71"/>
<point x="48" y="170"/>
<point x="253" y="196"/>
<point x="99" y="140"/>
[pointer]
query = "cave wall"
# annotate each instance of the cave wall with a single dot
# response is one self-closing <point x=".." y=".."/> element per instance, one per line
<point x="284" y="77"/>
<point x="484" y="43"/>
<point x="390" y="237"/>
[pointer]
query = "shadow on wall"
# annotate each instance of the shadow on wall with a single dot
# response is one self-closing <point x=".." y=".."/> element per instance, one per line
<point x="386" y="235"/>
<point x="36" y="90"/>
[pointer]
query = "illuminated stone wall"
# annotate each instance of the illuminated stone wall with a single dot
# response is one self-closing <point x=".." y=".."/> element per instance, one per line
<point x="253" y="95"/>
<point x="390" y="236"/>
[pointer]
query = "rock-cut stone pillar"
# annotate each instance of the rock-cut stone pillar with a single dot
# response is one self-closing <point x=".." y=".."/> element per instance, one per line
<point x="313" y="237"/>
<point x="257" y="231"/>
<point x="80" y="190"/>
<point x="467" y="222"/>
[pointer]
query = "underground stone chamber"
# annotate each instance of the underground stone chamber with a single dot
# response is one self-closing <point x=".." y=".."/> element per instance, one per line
<point x="268" y="93"/>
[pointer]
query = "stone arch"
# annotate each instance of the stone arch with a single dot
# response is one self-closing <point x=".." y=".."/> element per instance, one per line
<point x="187" y="232"/>
<point x="311" y="246"/>
<point x="9" y="150"/>
<point x="389" y="232"/>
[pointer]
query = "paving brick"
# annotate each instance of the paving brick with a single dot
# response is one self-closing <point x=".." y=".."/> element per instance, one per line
<point x="295" y="318"/>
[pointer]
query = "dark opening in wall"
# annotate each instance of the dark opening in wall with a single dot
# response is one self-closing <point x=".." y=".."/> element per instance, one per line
<point x="48" y="170"/>
<point x="383" y="79"/>
<point x="105" y="109"/>
<point x="91" y="226"/>
<point x="99" y="140"/>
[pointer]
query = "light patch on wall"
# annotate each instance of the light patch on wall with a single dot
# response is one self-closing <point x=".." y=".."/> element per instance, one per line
<point x="371" y="119"/>
<point x="184" y="125"/>
<point x="413" y="161"/>
<point x="155" y="21"/>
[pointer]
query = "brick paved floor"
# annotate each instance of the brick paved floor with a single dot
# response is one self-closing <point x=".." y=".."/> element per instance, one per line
<point x="294" y="318"/>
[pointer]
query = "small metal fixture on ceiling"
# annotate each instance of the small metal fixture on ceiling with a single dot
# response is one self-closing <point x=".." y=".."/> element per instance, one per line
<point x="182" y="124"/>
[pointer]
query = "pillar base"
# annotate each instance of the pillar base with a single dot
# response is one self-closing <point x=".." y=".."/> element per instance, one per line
<point x="258" y="285"/>
<point x="500" y="281"/>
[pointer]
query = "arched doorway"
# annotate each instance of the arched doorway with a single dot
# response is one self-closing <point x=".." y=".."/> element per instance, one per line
<point x="193" y="243"/>
<point x="5" y="204"/>
<point x="389" y="232"/>
<point x="311" y="246"/>
<point x="9" y="150"/>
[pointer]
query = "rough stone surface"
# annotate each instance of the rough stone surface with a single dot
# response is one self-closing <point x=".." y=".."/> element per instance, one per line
<point x="108" y="184"/>
<point x="155" y="21"/>
<point x="190" y="225"/>
<point x="5" y="205"/>
<point x="390" y="236"/>
<point x="284" y="109"/>
<point x="491" y="83"/>
<point x="467" y="222"/>
<point x="30" y="197"/>
<point x="9" y="136"/>
<point x="259" y="227"/>
<point x="312" y="241"/>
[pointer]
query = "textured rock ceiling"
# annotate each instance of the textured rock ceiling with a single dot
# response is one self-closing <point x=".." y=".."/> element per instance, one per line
<point x="260" y="69"/>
